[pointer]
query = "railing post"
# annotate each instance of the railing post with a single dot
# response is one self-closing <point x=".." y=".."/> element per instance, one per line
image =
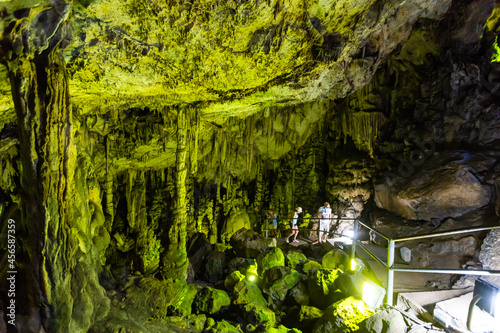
<point x="390" y="272"/>
<point x="354" y="237"/>
<point x="267" y="227"/>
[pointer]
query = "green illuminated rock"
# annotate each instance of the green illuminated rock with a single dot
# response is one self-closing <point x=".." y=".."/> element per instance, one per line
<point x="259" y="316"/>
<point x="232" y="279"/>
<point x="321" y="286"/>
<point x="272" y="258"/>
<point x="210" y="301"/>
<point x="247" y="292"/>
<point x="343" y="316"/>
<point x="281" y="287"/>
<point x="220" y="327"/>
<point x="295" y="259"/>
<point x="311" y="265"/>
<point x="336" y="259"/>
<point x="307" y="316"/>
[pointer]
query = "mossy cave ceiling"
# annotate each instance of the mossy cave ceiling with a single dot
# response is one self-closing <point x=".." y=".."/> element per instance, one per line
<point x="231" y="58"/>
<point x="285" y="64"/>
<point x="128" y="126"/>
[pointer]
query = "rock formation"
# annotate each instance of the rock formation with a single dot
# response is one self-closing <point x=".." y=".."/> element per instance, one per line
<point x="130" y="128"/>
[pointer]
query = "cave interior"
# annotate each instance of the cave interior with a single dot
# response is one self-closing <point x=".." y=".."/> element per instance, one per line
<point x="142" y="144"/>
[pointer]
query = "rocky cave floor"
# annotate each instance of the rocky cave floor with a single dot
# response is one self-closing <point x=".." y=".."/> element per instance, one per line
<point x="298" y="287"/>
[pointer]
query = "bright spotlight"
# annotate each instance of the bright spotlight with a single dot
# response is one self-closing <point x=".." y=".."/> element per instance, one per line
<point x="252" y="273"/>
<point x="487" y="298"/>
<point x="373" y="295"/>
<point x="353" y="264"/>
<point x="490" y="297"/>
<point x="347" y="236"/>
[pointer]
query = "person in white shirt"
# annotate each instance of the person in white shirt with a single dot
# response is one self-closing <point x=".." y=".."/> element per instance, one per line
<point x="324" y="224"/>
<point x="295" y="226"/>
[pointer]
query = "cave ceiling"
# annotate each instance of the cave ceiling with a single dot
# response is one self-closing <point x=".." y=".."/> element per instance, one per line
<point x="260" y="79"/>
<point x="230" y="58"/>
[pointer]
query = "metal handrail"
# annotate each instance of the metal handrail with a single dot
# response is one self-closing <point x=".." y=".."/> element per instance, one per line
<point x="266" y="229"/>
<point x="389" y="265"/>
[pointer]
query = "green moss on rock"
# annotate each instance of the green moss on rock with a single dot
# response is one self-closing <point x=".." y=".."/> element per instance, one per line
<point x="294" y="259"/>
<point x="269" y="259"/>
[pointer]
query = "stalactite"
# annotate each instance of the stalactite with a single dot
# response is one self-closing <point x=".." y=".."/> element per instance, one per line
<point x="218" y="211"/>
<point x="362" y="127"/>
<point x="259" y="190"/>
<point x="194" y="159"/>
<point x="109" y="187"/>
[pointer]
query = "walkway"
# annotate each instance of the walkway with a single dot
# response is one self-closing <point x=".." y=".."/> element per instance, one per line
<point x="403" y="281"/>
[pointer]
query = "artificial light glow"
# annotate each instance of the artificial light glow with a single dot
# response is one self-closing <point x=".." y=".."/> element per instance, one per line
<point x="490" y="297"/>
<point x="353" y="264"/>
<point x="348" y="235"/>
<point x="497" y="307"/>
<point x="252" y="273"/>
<point x="372" y="295"/>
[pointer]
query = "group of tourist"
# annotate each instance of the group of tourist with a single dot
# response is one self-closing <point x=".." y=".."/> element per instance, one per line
<point x="324" y="211"/>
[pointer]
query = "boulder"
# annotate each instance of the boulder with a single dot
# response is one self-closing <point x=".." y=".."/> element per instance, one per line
<point x="232" y="279"/>
<point x="351" y="284"/>
<point x="198" y="321"/>
<point x="213" y="270"/>
<point x="209" y="300"/>
<point x="304" y="317"/>
<point x="271" y="258"/>
<point x="182" y="306"/>
<point x="299" y="294"/>
<point x="497" y="190"/>
<point x="386" y="321"/>
<point x="394" y="226"/>
<point x="489" y="255"/>
<point x="220" y="327"/>
<point x="159" y="298"/>
<point x="199" y="247"/>
<point x="246" y="292"/>
<point x="447" y="185"/>
<point x="237" y="263"/>
<point x="307" y="317"/>
<point x="316" y="251"/>
<point x="321" y="286"/>
<point x="342" y="316"/>
<point x="282" y="329"/>
<point x="280" y="287"/>
<point x="310" y="265"/>
<point x="443" y="252"/>
<point x="237" y="219"/>
<point x="273" y="274"/>
<point x="295" y="259"/>
<point x="446" y="253"/>
<point x="258" y="315"/>
<point x="336" y="259"/>
<point x="249" y="244"/>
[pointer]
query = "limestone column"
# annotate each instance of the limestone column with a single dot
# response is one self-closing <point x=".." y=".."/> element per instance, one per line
<point x="175" y="261"/>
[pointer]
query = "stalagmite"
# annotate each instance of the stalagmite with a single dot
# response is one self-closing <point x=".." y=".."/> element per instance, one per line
<point x="175" y="261"/>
